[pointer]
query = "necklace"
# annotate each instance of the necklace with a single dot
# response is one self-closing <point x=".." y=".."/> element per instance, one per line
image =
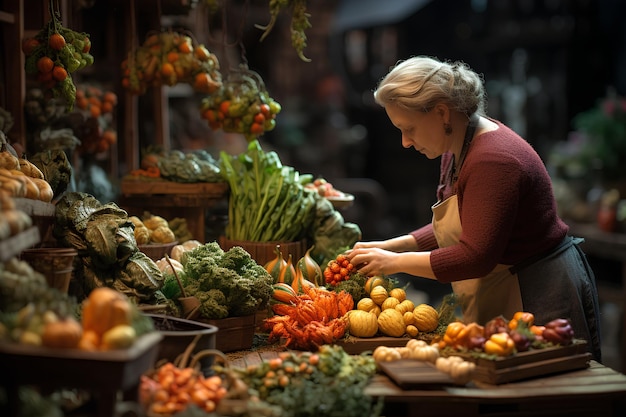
<point x="469" y="135"/>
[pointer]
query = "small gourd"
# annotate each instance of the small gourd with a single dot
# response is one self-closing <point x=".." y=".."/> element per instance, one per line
<point x="121" y="336"/>
<point x="104" y="309"/>
<point x="362" y="323"/>
<point x="275" y="266"/>
<point x="386" y="354"/>
<point x="409" y="318"/>
<point x="404" y="306"/>
<point x="398" y="293"/>
<point x="427" y="318"/>
<point x="62" y="333"/>
<point x="391" y="323"/>
<point x="379" y="294"/>
<point x="310" y="269"/>
<point x="390" y="302"/>
<point x="288" y="272"/>
<point x="284" y="293"/>
<point x="365" y="304"/>
<point x="372" y="282"/>
<point x="300" y="284"/>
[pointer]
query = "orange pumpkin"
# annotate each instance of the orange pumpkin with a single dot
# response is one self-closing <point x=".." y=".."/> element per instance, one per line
<point x="62" y="333"/>
<point x="104" y="309"/>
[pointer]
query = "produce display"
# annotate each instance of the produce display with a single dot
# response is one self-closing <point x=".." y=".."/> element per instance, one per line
<point x="269" y="203"/>
<point x="38" y="315"/>
<point x="54" y="53"/>
<point x="19" y="177"/>
<point x="502" y="337"/>
<point x="226" y="283"/>
<point x="103" y="235"/>
<point x="169" y="58"/>
<point x="152" y="229"/>
<point x="311" y="319"/>
<point x="241" y="105"/>
<point x="177" y="166"/>
<point x="328" y="382"/>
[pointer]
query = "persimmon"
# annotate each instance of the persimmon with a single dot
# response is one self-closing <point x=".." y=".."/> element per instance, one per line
<point x="167" y="69"/>
<point x="201" y="53"/>
<point x="95" y="110"/>
<point x="204" y="83"/>
<point x="81" y="102"/>
<point x="56" y="41"/>
<point x="59" y="73"/>
<point x="107" y="107"/>
<point x="172" y="56"/>
<point x="29" y="45"/>
<point x="45" y="64"/>
<point x="109" y="136"/>
<point x="185" y="47"/>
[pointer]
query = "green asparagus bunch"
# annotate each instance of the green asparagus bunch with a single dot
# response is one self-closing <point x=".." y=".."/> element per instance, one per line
<point x="268" y="201"/>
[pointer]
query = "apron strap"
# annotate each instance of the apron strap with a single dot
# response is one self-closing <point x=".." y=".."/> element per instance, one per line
<point x="565" y="244"/>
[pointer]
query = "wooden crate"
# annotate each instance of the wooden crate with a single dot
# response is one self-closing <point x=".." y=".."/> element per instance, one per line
<point x="234" y="333"/>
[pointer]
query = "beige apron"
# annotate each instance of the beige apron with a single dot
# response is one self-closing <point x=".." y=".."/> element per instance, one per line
<point x="484" y="298"/>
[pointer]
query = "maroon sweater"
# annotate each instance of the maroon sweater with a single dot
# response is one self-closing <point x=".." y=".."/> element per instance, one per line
<point x="507" y="208"/>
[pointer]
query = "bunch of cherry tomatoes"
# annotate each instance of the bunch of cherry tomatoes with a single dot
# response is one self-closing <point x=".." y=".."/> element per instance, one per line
<point x="53" y="54"/>
<point x="241" y="105"/>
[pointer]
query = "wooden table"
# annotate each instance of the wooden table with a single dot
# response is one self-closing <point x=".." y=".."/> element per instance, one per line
<point x="594" y="391"/>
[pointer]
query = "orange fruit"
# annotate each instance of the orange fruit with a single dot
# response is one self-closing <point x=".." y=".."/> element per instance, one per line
<point x="95" y="111"/>
<point x="29" y="45"/>
<point x="167" y="69"/>
<point x="56" y="41"/>
<point x="45" y="64"/>
<point x="59" y="73"/>
<point x="172" y="56"/>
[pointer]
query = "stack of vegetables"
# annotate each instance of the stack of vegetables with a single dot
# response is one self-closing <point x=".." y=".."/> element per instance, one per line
<point x="504" y="337"/>
<point x="241" y="105"/>
<point x="35" y="314"/>
<point x="227" y="283"/>
<point x="169" y="58"/>
<point x="108" y="255"/>
<point x="269" y="202"/>
<point x="19" y="177"/>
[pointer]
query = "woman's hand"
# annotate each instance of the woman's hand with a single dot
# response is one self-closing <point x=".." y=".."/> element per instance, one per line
<point x="371" y="261"/>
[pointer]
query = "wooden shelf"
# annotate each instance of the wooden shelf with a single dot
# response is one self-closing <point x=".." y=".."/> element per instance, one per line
<point x="7" y="17"/>
<point x="14" y="245"/>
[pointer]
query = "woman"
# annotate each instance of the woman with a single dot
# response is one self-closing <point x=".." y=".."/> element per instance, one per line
<point x="495" y="234"/>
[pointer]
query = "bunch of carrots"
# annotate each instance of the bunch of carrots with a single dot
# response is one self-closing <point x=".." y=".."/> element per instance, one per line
<point x="172" y="389"/>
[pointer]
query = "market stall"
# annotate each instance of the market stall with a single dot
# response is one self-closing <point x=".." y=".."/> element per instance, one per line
<point x="127" y="306"/>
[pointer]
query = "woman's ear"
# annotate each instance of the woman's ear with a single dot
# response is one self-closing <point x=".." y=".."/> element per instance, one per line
<point x="443" y="111"/>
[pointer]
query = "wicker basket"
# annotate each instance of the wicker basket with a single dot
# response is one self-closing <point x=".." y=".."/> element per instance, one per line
<point x="156" y="251"/>
<point x="56" y="264"/>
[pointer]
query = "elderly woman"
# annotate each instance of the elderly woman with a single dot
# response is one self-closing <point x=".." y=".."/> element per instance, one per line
<point x="495" y="234"/>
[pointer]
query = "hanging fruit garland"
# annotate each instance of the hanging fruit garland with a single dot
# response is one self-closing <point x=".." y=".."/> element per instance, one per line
<point x="169" y="58"/>
<point x="54" y="54"/>
<point x="241" y="105"/>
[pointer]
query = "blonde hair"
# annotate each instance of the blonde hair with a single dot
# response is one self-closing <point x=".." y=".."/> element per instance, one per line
<point x="420" y="82"/>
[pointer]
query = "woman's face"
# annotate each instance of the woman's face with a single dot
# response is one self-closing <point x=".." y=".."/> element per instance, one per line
<point x="422" y="131"/>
